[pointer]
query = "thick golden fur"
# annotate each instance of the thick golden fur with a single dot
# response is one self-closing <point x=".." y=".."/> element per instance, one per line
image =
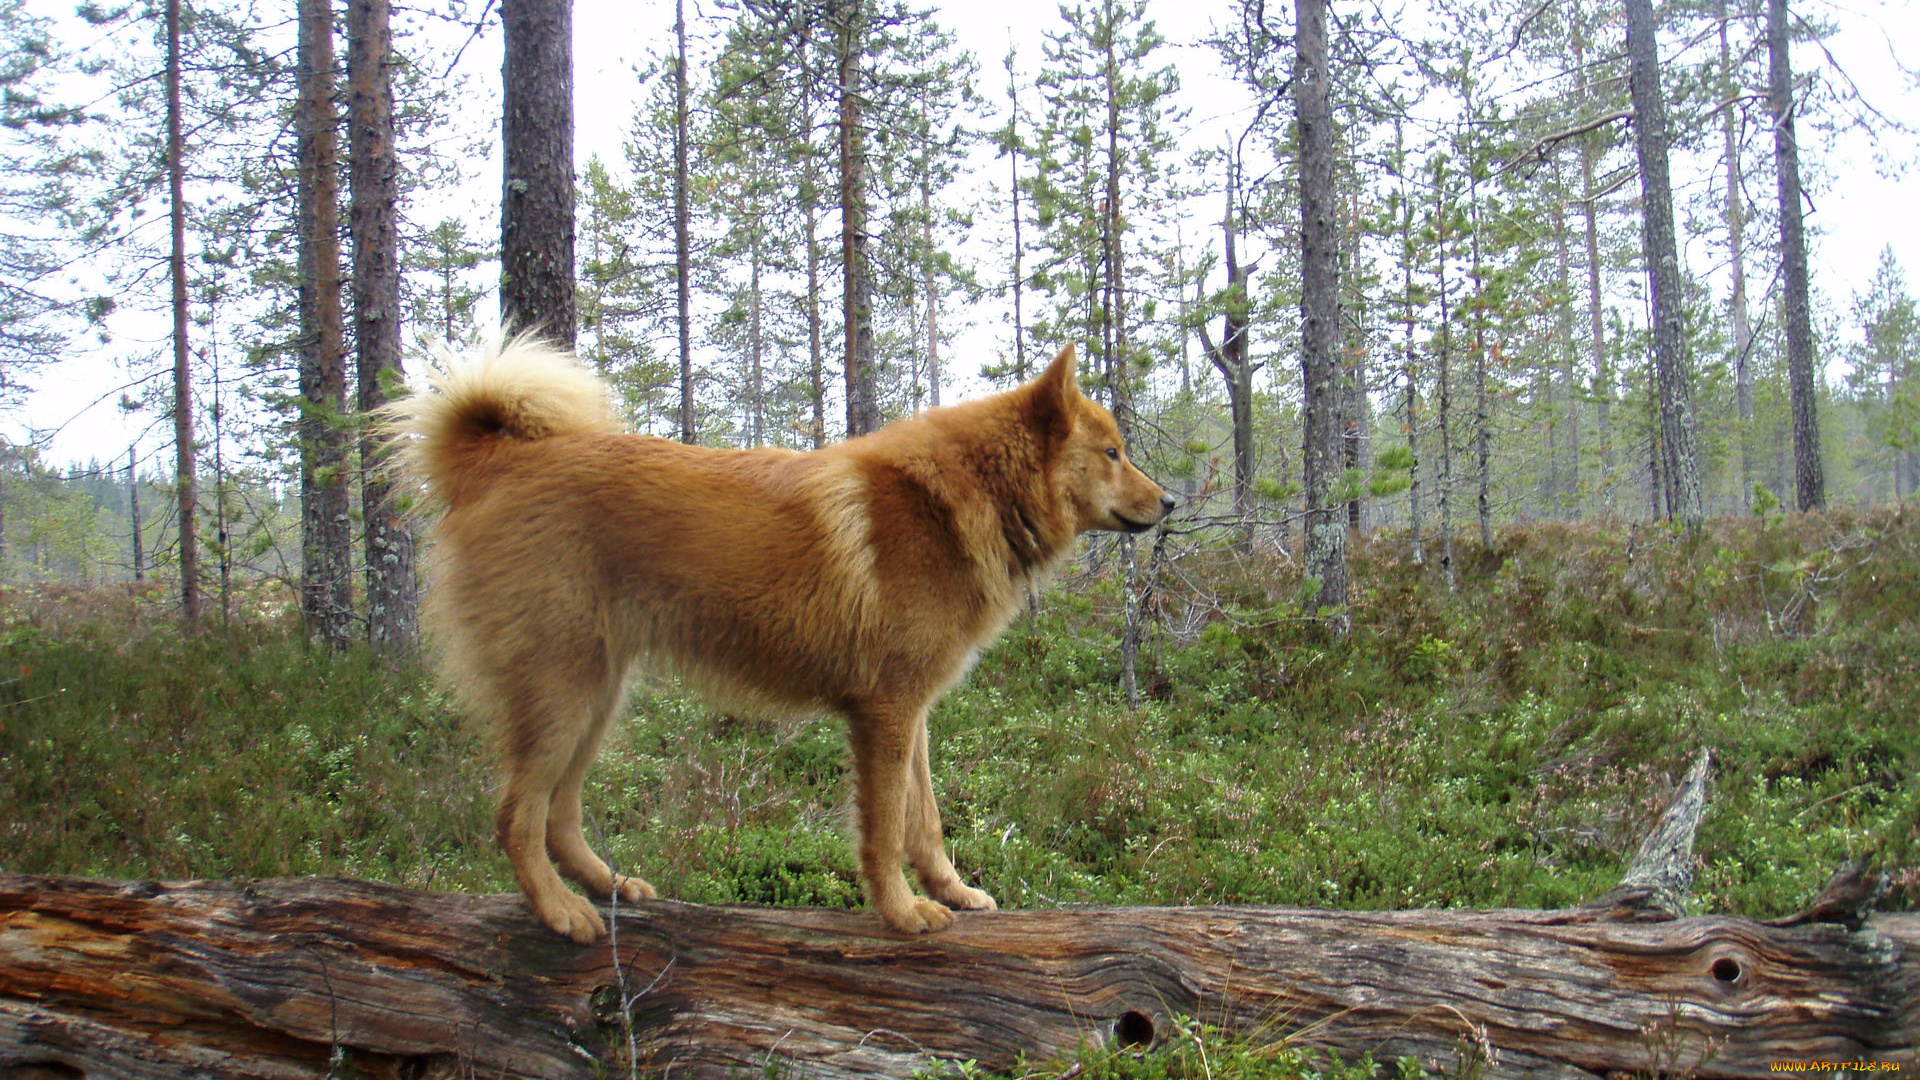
<point x="860" y="579"/>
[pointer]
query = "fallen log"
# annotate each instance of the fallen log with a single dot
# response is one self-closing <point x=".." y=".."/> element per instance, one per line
<point x="306" y="977"/>
<point x="281" y="978"/>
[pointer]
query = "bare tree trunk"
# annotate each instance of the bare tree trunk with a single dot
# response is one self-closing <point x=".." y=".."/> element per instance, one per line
<point x="393" y="600"/>
<point x="1809" y="472"/>
<point x="1409" y="370"/>
<point x="133" y="509"/>
<point x="810" y="211"/>
<point x="1019" y="247"/>
<point x="1567" y="416"/>
<point x="326" y="580"/>
<point x="188" y="501"/>
<point x="1444" y="354"/>
<point x="1482" y="417"/>
<point x="756" y="337"/>
<point x="1326" y="561"/>
<point x="863" y="397"/>
<point x="1230" y="357"/>
<point x="933" y="295"/>
<point x="1672" y="369"/>
<point x="1356" y="412"/>
<point x="1603" y="380"/>
<point x="682" y="225"/>
<point x="536" y="220"/>
<point x="816" y="346"/>
<point x="1737" y="258"/>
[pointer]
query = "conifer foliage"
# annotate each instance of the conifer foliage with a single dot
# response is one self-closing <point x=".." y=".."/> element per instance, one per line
<point x="1434" y="270"/>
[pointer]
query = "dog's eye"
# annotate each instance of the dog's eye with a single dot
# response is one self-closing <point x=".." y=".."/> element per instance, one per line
<point x="1113" y="453"/>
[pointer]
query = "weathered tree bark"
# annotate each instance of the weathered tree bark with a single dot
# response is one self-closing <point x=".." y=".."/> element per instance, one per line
<point x="1320" y="317"/>
<point x="279" y="978"/>
<point x="536" y="220"/>
<point x="1231" y="355"/>
<point x="683" y="224"/>
<point x="189" y="503"/>
<point x="302" y="977"/>
<point x="1741" y="347"/>
<point x="393" y="591"/>
<point x="1681" y="460"/>
<point x="1809" y="472"/>
<point x="863" y="393"/>
<point x="326" y="545"/>
<point x="1596" y="312"/>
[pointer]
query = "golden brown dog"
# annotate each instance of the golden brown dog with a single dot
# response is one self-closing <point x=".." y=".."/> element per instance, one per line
<point x="861" y="579"/>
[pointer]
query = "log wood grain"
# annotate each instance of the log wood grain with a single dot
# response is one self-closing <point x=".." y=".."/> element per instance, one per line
<point x="301" y="977"/>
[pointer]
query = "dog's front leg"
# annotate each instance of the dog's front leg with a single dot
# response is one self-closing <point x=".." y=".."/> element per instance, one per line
<point x="884" y="742"/>
<point x="926" y="847"/>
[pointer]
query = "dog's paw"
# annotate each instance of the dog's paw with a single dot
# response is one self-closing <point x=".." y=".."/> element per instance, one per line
<point x="919" y="917"/>
<point x="964" y="898"/>
<point x="572" y="916"/>
<point x="632" y="890"/>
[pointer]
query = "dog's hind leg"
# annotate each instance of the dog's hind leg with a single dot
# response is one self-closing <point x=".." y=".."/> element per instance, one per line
<point x="565" y="841"/>
<point x="926" y="849"/>
<point x="544" y="727"/>
<point x="883" y="749"/>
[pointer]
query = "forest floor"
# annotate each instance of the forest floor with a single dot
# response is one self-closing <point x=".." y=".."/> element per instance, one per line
<point x="1504" y="744"/>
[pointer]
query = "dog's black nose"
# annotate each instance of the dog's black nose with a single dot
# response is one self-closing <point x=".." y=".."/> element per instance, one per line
<point x="1167" y="500"/>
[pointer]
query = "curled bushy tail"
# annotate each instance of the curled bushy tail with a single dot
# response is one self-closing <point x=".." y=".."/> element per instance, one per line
<point x="522" y="389"/>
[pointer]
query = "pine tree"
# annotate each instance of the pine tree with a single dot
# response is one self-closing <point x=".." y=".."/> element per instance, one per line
<point x="1680" y="459"/>
<point x="1326" y="560"/>
<point x="1102" y="185"/>
<point x="1810" y="483"/>
<point x="184" y="465"/>
<point x="1885" y="367"/>
<point x="392" y="586"/>
<point x="326" y="586"/>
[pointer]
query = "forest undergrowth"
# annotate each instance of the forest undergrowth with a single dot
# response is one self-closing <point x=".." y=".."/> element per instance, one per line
<point x="1504" y="744"/>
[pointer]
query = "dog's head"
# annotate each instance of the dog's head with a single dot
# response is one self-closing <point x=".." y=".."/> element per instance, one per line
<point x="1103" y="488"/>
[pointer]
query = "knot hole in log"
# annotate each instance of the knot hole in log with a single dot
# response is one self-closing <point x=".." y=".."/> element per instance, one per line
<point x="1133" y="1028"/>
<point x="1727" y="970"/>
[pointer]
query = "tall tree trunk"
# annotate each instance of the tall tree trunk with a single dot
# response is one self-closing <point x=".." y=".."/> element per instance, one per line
<point x="1115" y="346"/>
<point x="188" y="502"/>
<point x="1444" y="376"/>
<point x="1019" y="247"/>
<point x="1326" y="560"/>
<point x="816" y="346"/>
<point x="1737" y="258"/>
<point x="756" y="338"/>
<point x="1681" y="459"/>
<point x="1231" y="356"/>
<point x="682" y="225"/>
<point x="1482" y="418"/>
<point x="536" y="219"/>
<point x="863" y="397"/>
<point x="810" y="211"/>
<point x="393" y="600"/>
<point x="1356" y="412"/>
<point x="1603" y="380"/>
<point x="1809" y="473"/>
<point x="326" y="549"/>
<point x="1113" y="228"/>
<point x="933" y="294"/>
<point x="133" y="510"/>
<point x="1566" y="416"/>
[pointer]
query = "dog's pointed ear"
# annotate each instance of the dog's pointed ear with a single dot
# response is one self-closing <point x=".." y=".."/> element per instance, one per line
<point x="1055" y="391"/>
